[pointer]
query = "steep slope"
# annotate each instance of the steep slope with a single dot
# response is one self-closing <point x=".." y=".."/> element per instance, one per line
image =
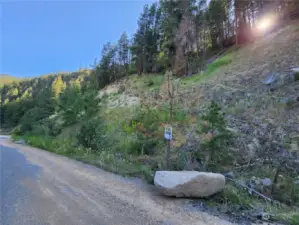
<point x="251" y="106"/>
<point x="268" y="112"/>
<point x="263" y="117"/>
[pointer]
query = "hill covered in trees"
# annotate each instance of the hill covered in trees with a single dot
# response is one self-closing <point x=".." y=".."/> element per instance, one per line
<point x="7" y="79"/>
<point x="233" y="109"/>
<point x="183" y="36"/>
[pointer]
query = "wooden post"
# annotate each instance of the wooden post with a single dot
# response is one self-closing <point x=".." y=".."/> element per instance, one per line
<point x="170" y="95"/>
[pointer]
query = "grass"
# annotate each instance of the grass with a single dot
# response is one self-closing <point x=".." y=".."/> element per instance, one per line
<point x="147" y="82"/>
<point x="236" y="196"/>
<point x="233" y="195"/>
<point x="211" y="69"/>
<point x="291" y="217"/>
<point x="105" y="159"/>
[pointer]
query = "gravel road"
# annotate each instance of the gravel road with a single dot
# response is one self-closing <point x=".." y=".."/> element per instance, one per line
<point x="41" y="188"/>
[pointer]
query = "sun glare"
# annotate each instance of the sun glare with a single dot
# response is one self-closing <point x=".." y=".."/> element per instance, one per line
<point x="266" y="23"/>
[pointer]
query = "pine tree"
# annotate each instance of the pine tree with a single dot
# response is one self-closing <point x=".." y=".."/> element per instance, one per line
<point x="123" y="49"/>
<point x="106" y="71"/>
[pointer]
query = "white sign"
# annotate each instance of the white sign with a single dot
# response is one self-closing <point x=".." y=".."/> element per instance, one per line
<point x="168" y="133"/>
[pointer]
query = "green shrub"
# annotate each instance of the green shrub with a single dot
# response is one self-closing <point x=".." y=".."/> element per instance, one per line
<point x="39" y="129"/>
<point x="75" y="104"/>
<point x="30" y="118"/>
<point x="291" y="217"/>
<point x="145" y="128"/>
<point x="150" y="83"/>
<point x="216" y="137"/>
<point x="54" y="127"/>
<point x="92" y="134"/>
<point x="235" y="196"/>
<point x="121" y="89"/>
<point x="143" y="145"/>
<point x="16" y="131"/>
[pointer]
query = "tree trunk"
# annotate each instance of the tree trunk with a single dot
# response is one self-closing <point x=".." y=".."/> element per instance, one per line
<point x="237" y="21"/>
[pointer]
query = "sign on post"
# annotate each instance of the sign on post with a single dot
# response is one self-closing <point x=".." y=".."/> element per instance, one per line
<point x="168" y="133"/>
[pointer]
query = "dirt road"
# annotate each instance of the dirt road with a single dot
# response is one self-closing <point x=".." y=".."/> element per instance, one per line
<point x="41" y="188"/>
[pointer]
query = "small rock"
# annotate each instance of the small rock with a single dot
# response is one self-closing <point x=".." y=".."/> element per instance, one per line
<point x="229" y="175"/>
<point x="294" y="146"/>
<point x="289" y="102"/>
<point x="233" y="130"/>
<point x="295" y="74"/>
<point x="258" y="212"/>
<point x="267" y="182"/>
<point x="265" y="216"/>
<point x="20" y="142"/>
<point x="256" y="142"/>
<point x="252" y="149"/>
<point x="270" y="79"/>
<point x="188" y="183"/>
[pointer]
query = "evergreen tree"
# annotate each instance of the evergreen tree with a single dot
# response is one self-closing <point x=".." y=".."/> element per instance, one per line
<point x="106" y="71"/>
<point x="123" y="50"/>
<point x="58" y="85"/>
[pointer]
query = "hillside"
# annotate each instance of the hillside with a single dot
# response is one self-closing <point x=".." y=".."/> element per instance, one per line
<point x="250" y="104"/>
<point x="120" y="128"/>
<point x="31" y="87"/>
<point x="7" y="79"/>
<point x="263" y="117"/>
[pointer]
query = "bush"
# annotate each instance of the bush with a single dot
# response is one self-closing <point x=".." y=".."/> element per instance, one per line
<point x="54" y="128"/>
<point x="215" y="137"/>
<point x="150" y="83"/>
<point x="92" y="134"/>
<point x="75" y="104"/>
<point x="30" y="118"/>
<point x="144" y="130"/>
<point x="16" y="131"/>
<point x="121" y="89"/>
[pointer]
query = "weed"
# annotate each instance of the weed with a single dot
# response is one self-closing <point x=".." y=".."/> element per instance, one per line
<point x="147" y="82"/>
<point x="235" y="196"/>
<point x="291" y="218"/>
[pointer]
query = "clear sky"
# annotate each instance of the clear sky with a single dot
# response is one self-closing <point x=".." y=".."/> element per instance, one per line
<point x="42" y="37"/>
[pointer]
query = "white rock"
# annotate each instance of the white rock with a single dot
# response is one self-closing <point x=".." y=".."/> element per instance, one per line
<point x="189" y="183"/>
<point x="267" y="182"/>
<point x="296" y="70"/>
<point x="20" y="142"/>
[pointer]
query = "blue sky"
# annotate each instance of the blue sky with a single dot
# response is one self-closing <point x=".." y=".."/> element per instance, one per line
<point x="42" y="37"/>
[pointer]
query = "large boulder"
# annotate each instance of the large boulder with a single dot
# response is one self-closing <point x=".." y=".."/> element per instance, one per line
<point x="189" y="183"/>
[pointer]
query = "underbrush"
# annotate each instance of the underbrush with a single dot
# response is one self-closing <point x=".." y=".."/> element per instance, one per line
<point x="146" y="82"/>
<point x="105" y="159"/>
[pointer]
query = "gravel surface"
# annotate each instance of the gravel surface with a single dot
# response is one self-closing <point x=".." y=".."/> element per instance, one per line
<point x="41" y="188"/>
